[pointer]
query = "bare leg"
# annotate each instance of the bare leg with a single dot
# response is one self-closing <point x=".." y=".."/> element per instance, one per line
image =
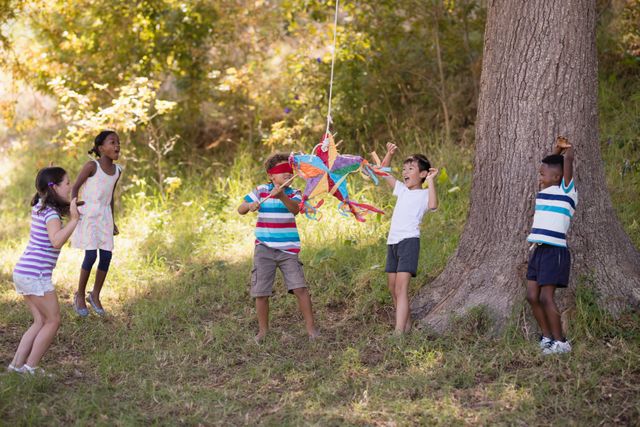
<point x="304" y="304"/>
<point x="97" y="287"/>
<point x="82" y="286"/>
<point x="533" y="297"/>
<point x="262" y="309"/>
<point x="26" y="343"/>
<point x="391" y="282"/>
<point x="48" y="306"/>
<point x="551" y="311"/>
<point x="402" y="301"/>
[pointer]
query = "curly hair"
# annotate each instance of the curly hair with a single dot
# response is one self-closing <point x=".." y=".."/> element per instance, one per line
<point x="274" y="159"/>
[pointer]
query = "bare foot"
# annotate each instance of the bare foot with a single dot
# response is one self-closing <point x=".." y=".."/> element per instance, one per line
<point x="258" y="338"/>
<point x="314" y="335"/>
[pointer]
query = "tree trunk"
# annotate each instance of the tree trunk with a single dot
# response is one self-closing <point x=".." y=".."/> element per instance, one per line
<point x="539" y="80"/>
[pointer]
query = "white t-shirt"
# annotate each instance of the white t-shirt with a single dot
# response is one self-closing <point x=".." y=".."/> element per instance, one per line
<point x="408" y="212"/>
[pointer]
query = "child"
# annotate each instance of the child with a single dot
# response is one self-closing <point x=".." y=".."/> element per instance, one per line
<point x="403" y="243"/>
<point x="277" y="242"/>
<point x="32" y="274"/>
<point x="98" y="179"/>
<point x="550" y="262"/>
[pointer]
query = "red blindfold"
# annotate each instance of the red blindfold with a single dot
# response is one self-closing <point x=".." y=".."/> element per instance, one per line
<point x="281" y="168"/>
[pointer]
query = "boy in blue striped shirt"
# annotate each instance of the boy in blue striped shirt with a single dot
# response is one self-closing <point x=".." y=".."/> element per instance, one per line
<point x="277" y="242"/>
<point x="550" y="261"/>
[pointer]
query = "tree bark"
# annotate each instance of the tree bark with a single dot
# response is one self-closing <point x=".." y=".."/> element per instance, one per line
<point x="539" y="80"/>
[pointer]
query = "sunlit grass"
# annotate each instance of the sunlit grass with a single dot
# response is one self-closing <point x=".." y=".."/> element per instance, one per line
<point x="177" y="346"/>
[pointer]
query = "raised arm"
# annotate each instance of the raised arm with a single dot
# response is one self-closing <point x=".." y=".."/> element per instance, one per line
<point x="89" y="169"/>
<point x="563" y="146"/>
<point x="568" y="165"/>
<point x="391" y="150"/>
<point x="433" y="195"/>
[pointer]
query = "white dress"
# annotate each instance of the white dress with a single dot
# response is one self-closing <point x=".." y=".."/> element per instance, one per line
<point x="95" y="228"/>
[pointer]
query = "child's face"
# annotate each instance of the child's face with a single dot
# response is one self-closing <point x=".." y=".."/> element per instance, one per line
<point x="412" y="176"/>
<point x="280" y="178"/>
<point x="548" y="176"/>
<point x="111" y="147"/>
<point x="63" y="190"/>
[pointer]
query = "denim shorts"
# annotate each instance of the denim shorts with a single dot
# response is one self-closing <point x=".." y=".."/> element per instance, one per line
<point x="549" y="265"/>
<point x="31" y="285"/>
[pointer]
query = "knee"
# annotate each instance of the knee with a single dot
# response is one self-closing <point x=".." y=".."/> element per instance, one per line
<point x="53" y="320"/>
<point x="547" y="300"/>
<point x="89" y="259"/>
<point x="105" y="260"/>
<point x="301" y="292"/>
<point x="533" y="298"/>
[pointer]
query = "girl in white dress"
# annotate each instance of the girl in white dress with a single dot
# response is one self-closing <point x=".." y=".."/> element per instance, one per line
<point x="96" y="184"/>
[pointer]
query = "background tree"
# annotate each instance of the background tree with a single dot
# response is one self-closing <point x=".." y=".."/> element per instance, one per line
<point x="539" y="80"/>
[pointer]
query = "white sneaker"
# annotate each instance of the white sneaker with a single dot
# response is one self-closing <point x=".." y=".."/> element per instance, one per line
<point x="545" y="342"/>
<point x="558" y="347"/>
<point x="12" y="368"/>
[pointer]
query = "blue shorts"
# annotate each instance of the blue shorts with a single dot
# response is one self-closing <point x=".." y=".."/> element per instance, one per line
<point x="402" y="257"/>
<point x="549" y="265"/>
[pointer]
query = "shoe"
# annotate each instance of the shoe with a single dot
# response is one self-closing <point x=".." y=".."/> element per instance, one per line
<point x="82" y="312"/>
<point x="12" y="368"/>
<point x="558" y="347"/>
<point x="99" y="311"/>
<point x="26" y="369"/>
<point x="545" y="342"/>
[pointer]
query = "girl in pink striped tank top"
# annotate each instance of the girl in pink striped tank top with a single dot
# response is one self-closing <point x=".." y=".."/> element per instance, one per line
<point x="32" y="274"/>
<point x="96" y="183"/>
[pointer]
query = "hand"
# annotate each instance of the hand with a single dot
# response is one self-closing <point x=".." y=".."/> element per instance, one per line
<point x="562" y="143"/>
<point x="277" y="192"/>
<point x="254" y="206"/>
<point x="432" y="174"/>
<point x="115" y="230"/>
<point x="391" y="148"/>
<point x="73" y="209"/>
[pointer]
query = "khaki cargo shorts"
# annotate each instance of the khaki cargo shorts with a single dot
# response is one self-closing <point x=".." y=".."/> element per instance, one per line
<point x="265" y="262"/>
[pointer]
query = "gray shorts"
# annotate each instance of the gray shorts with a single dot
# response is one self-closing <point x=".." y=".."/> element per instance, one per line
<point x="403" y="256"/>
<point x="265" y="262"/>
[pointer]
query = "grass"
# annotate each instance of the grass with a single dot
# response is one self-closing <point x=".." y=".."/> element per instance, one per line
<point x="177" y="347"/>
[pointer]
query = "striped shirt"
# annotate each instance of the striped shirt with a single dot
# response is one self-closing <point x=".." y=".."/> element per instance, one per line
<point x="276" y="226"/>
<point x="555" y="206"/>
<point x="40" y="257"/>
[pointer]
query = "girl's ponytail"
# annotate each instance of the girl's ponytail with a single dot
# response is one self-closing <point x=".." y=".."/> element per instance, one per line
<point x="35" y="199"/>
<point x="99" y="141"/>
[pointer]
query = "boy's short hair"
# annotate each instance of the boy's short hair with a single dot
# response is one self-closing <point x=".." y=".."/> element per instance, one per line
<point x="555" y="161"/>
<point x="274" y="159"/>
<point x="421" y="160"/>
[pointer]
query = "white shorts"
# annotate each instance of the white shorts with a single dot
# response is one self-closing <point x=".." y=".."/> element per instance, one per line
<point x="30" y="285"/>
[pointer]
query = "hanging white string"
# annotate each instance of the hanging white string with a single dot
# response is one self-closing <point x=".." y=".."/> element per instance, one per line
<point x="325" y="143"/>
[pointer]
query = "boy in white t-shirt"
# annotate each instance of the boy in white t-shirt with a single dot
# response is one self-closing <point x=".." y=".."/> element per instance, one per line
<point x="403" y="243"/>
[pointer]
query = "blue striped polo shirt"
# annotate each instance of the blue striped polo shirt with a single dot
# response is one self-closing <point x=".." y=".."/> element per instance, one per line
<point x="555" y="206"/>
<point x="276" y="226"/>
